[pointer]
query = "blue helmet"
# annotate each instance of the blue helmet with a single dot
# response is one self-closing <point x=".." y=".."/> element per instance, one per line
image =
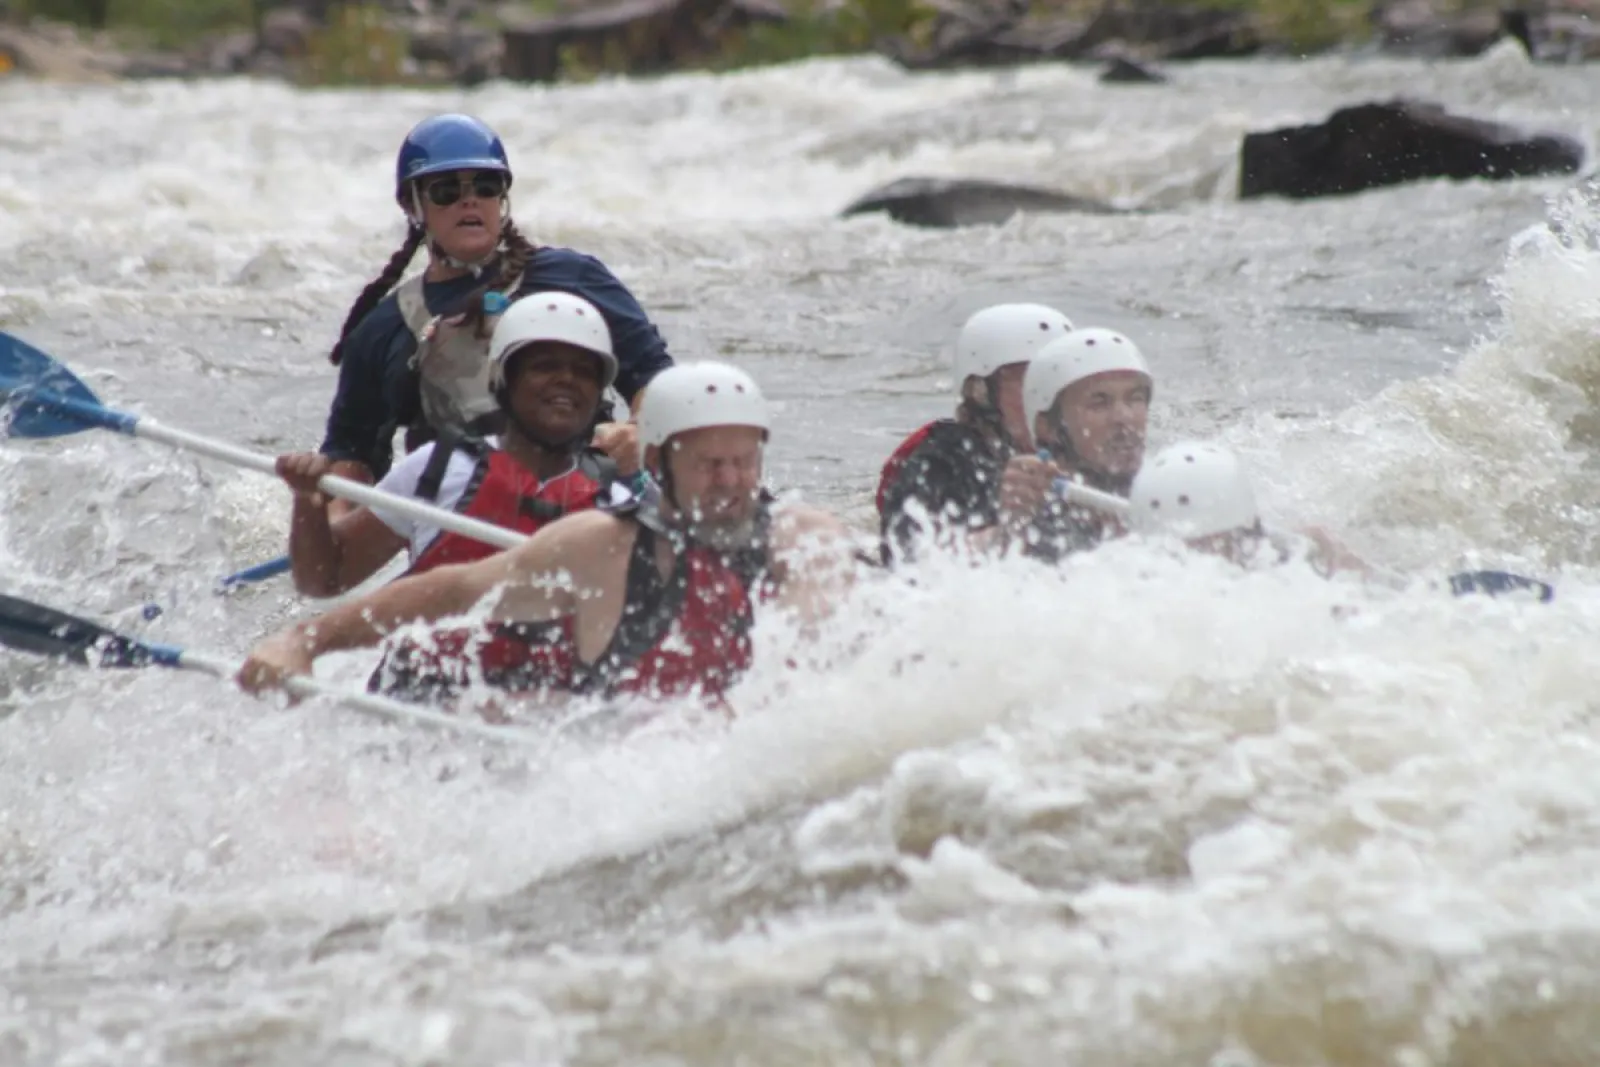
<point x="445" y="143"/>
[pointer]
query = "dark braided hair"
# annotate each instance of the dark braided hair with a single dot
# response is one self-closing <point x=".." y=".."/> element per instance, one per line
<point x="518" y="251"/>
<point x="378" y="288"/>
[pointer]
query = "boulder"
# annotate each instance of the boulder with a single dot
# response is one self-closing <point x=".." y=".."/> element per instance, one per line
<point x="1173" y="31"/>
<point x="1002" y="33"/>
<point x="635" y="36"/>
<point x="1372" y="145"/>
<point x="1555" y="36"/>
<point x="1427" y="30"/>
<point x="55" y="52"/>
<point x="946" y="203"/>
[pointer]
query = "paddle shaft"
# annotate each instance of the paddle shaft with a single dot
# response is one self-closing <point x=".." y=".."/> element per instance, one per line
<point x="332" y="484"/>
<point x="302" y="686"/>
<point x="1075" y="493"/>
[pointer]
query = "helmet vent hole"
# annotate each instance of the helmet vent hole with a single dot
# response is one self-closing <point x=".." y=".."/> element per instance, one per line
<point x="711" y="388"/>
<point x="1183" y="500"/>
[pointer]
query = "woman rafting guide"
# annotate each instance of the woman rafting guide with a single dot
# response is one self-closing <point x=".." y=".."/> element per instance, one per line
<point x="414" y="353"/>
<point x="550" y="364"/>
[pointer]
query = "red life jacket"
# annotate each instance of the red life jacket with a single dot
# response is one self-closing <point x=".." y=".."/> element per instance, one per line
<point x="505" y="493"/>
<point x="686" y="633"/>
<point x="498" y="492"/>
<point x="897" y="460"/>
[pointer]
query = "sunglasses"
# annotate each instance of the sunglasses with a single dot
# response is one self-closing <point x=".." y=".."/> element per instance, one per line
<point x="486" y="185"/>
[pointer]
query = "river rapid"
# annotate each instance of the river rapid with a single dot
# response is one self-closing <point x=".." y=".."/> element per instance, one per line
<point x="1136" y="810"/>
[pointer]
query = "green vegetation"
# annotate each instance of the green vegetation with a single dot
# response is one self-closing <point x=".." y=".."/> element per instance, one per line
<point x="158" y="23"/>
<point x="359" y="45"/>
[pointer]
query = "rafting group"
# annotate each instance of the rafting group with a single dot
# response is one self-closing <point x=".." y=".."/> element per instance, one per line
<point x="646" y="538"/>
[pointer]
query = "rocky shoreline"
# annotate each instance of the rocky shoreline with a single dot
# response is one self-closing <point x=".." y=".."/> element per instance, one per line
<point x="460" y="42"/>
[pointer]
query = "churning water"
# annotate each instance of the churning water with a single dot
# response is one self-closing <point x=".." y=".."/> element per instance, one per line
<point x="1134" y="810"/>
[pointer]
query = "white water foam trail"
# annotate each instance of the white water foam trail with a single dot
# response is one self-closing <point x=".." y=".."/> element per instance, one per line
<point x="1490" y="464"/>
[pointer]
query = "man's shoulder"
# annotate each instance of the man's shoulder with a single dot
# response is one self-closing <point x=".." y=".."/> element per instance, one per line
<point x="555" y="266"/>
<point x="795" y="523"/>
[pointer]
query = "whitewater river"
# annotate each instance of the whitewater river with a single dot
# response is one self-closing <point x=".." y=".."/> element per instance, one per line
<point x="1136" y="811"/>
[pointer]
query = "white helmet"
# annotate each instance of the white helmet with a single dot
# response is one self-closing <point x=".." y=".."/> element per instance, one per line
<point x="691" y="396"/>
<point x="1080" y="354"/>
<point x="1191" y="489"/>
<point x="1003" y="334"/>
<point x="551" y="316"/>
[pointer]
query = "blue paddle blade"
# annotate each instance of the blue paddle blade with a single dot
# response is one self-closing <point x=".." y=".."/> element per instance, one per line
<point x="1496" y="582"/>
<point x="29" y="627"/>
<point x="25" y="370"/>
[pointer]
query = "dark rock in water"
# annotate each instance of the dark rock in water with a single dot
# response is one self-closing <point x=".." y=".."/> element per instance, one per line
<point x="1124" y="71"/>
<point x="636" y="36"/>
<point x="1373" y="145"/>
<point x="946" y="203"/>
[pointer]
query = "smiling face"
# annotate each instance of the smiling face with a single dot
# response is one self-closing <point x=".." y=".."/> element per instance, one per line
<point x="554" y="388"/>
<point x="463" y="211"/>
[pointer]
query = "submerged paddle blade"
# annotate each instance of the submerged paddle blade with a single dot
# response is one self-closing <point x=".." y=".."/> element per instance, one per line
<point x="29" y="627"/>
<point x="24" y="371"/>
<point x="259" y="573"/>
<point x="1496" y="582"/>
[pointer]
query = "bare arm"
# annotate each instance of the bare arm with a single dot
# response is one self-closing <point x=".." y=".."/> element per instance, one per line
<point x="535" y="581"/>
<point x="1329" y="556"/>
<point x="330" y="558"/>
<point x="815" y="560"/>
<point x="328" y="555"/>
<point x="356" y="471"/>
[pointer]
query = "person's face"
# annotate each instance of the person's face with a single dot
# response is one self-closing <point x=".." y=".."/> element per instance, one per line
<point x="715" y="475"/>
<point x="462" y="211"/>
<point x="554" y="388"/>
<point x="1105" y="416"/>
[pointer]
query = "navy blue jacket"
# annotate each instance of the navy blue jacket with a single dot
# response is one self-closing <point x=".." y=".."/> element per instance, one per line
<point x="379" y="392"/>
